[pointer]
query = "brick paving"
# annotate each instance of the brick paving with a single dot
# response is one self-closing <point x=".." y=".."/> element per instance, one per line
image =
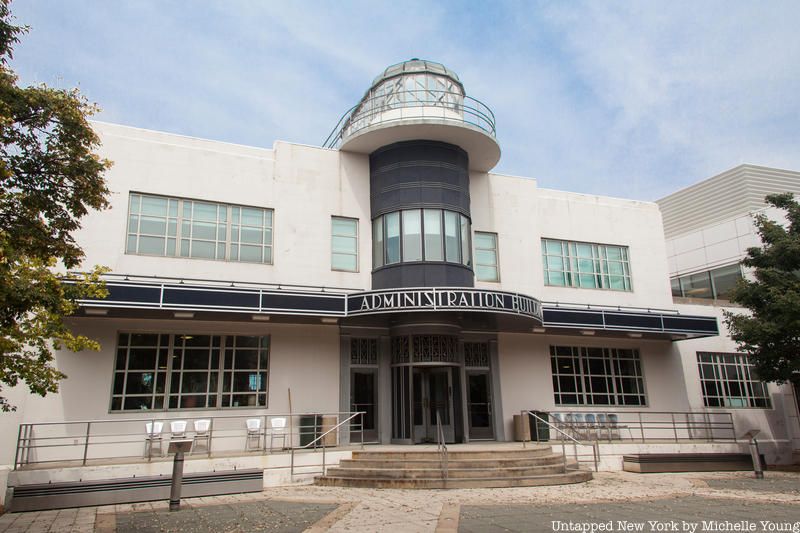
<point x="610" y="496"/>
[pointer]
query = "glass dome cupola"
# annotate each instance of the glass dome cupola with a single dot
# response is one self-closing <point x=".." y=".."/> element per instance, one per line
<point x="419" y="100"/>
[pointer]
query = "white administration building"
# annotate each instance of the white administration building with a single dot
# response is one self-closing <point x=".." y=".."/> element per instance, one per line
<point x="390" y="272"/>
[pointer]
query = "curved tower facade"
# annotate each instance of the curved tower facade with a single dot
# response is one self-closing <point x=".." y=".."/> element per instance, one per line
<point x="423" y="135"/>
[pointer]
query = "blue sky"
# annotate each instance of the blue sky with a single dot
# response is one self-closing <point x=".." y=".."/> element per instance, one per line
<point x="630" y="99"/>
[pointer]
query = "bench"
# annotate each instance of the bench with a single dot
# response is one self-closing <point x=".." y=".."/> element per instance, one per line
<point x="646" y="463"/>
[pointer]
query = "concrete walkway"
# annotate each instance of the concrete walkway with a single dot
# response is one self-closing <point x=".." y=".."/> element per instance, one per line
<point x="611" y="496"/>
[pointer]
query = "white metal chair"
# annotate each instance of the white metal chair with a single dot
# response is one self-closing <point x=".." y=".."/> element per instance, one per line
<point x="178" y="429"/>
<point x="590" y="424"/>
<point x="578" y="424"/>
<point x="202" y="433"/>
<point x="278" y="431"/>
<point x="602" y="425"/>
<point x="614" y="425"/>
<point x="253" y="432"/>
<point x="153" y="436"/>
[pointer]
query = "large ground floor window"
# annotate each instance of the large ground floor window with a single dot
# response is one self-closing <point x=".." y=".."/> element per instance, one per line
<point x="597" y="376"/>
<point x="163" y="371"/>
<point x="728" y="380"/>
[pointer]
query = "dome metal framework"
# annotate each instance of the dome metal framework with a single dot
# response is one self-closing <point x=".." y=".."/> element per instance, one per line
<point x="422" y="100"/>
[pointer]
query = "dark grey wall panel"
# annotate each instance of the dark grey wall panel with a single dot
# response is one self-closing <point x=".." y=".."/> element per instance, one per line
<point x="413" y="174"/>
<point x="422" y="275"/>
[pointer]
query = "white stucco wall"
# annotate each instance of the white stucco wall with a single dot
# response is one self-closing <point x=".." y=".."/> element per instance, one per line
<point x="304" y="185"/>
<point x="522" y="214"/>
<point x="304" y="359"/>
<point x="780" y="423"/>
<point x="526" y="375"/>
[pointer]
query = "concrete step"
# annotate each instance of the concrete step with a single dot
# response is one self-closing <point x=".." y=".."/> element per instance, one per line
<point x="438" y="483"/>
<point x="453" y="473"/>
<point x="532" y="451"/>
<point x="453" y="463"/>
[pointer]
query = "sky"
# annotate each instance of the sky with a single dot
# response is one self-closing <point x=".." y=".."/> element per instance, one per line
<point x="631" y="99"/>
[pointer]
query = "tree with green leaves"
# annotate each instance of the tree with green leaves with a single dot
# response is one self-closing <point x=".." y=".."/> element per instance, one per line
<point x="770" y="333"/>
<point x="50" y="178"/>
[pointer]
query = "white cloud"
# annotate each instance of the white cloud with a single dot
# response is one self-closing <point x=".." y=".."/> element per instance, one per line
<point x="626" y="99"/>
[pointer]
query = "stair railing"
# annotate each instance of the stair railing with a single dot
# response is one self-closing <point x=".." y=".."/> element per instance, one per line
<point x="441" y="446"/>
<point x="575" y="442"/>
<point x="321" y="439"/>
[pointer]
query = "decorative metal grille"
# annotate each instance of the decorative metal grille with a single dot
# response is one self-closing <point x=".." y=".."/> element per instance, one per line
<point x="435" y="349"/>
<point x="476" y="354"/>
<point x="400" y="350"/>
<point x="363" y="351"/>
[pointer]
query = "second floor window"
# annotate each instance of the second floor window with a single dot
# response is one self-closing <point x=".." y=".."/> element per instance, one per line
<point x="486" y="267"/>
<point x="176" y="227"/>
<point x="586" y="265"/>
<point x="344" y="244"/>
<point x="710" y="284"/>
<point x="416" y="235"/>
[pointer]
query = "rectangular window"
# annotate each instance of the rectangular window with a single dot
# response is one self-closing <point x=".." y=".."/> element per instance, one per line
<point x="392" y="238"/>
<point x="728" y="380"/>
<point x="486" y="267"/>
<point x="586" y="265"/>
<point x="433" y="235"/>
<point x="711" y="284"/>
<point x="412" y="235"/>
<point x="160" y="371"/>
<point x="377" y="243"/>
<point x="178" y="227"/>
<point x="451" y="237"/>
<point x="597" y="376"/>
<point x="344" y="244"/>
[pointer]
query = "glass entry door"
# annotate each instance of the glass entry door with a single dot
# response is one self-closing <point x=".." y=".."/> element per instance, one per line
<point x="432" y="394"/>
<point x="479" y="406"/>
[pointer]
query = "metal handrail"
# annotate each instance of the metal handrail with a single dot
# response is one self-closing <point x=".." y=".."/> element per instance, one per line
<point x="672" y="425"/>
<point x="117" y="438"/>
<point x="576" y="305"/>
<point x="334" y="428"/>
<point x="143" y="278"/>
<point x="441" y="447"/>
<point x="367" y="109"/>
<point x="575" y="442"/>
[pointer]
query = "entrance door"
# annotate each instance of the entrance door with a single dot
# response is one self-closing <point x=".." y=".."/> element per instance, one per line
<point x="479" y="406"/>
<point x="363" y="399"/>
<point x="432" y="394"/>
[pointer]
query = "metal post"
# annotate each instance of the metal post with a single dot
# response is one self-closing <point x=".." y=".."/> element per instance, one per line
<point x="86" y="442"/>
<point x="210" y="435"/>
<point x="674" y="427"/>
<point x="757" y="468"/>
<point x="641" y="426"/>
<point x="361" y="417"/>
<point x="18" y="456"/>
<point x="264" y="449"/>
<point x="177" y="479"/>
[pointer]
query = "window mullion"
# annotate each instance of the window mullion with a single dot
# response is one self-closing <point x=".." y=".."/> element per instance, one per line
<point x="228" y="232"/>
